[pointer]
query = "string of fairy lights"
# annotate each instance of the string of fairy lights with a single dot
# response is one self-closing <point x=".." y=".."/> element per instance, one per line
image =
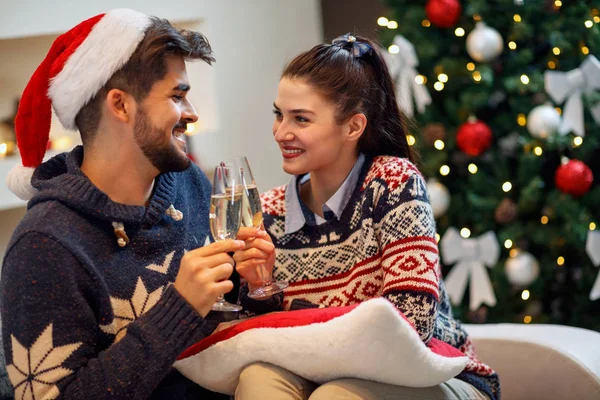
<point x="521" y="119"/>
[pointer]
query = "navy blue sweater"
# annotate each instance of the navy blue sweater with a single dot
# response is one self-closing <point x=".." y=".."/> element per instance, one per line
<point x="85" y="318"/>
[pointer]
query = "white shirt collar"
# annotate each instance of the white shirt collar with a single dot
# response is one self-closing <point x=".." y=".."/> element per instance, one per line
<point x="294" y="217"/>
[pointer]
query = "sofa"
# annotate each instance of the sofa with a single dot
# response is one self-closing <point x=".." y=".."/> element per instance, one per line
<point x="541" y="361"/>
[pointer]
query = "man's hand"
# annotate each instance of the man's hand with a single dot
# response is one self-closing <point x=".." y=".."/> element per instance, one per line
<point x="203" y="274"/>
<point x="255" y="261"/>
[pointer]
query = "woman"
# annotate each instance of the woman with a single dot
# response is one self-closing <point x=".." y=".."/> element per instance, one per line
<point x="355" y="221"/>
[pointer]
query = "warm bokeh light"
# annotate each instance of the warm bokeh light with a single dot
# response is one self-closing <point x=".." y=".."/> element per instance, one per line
<point x="521" y="120"/>
<point x="527" y="319"/>
<point x="525" y="294"/>
<point x="439" y="86"/>
<point x="537" y="150"/>
<point x="459" y="32"/>
<point x="512" y="45"/>
<point x="508" y="243"/>
<point x="443" y="78"/>
<point x="477" y="76"/>
<point x="394" y="49"/>
<point x="507" y="186"/>
<point x="560" y="260"/>
<point x="392" y="25"/>
<point x="592" y="226"/>
<point x="465" y="232"/>
<point x="577" y="141"/>
<point x="426" y="23"/>
<point x="556" y="51"/>
<point x="525" y="79"/>
<point x="473" y="168"/>
<point x="471" y="66"/>
<point x="444" y="170"/>
<point x="411" y="140"/>
<point x="439" y="144"/>
<point x="544" y="220"/>
<point x="517" y="18"/>
<point x="382" y="21"/>
<point x="420" y="79"/>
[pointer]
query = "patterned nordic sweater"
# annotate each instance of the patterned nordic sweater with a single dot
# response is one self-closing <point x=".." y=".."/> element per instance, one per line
<point x="382" y="246"/>
<point x="84" y="318"/>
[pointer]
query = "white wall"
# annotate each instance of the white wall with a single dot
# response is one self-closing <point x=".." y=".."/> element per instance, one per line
<point x="252" y="41"/>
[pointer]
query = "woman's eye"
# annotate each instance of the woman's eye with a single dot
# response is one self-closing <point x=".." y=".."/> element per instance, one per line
<point x="277" y="113"/>
<point x="301" y="119"/>
<point x="177" y="97"/>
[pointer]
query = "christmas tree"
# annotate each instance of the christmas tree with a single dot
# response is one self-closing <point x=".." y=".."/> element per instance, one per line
<point x="508" y="132"/>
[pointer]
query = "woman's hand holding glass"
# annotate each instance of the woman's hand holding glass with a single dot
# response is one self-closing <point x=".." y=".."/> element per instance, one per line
<point x="255" y="262"/>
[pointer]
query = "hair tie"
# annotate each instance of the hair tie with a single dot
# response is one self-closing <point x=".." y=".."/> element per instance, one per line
<point x="356" y="48"/>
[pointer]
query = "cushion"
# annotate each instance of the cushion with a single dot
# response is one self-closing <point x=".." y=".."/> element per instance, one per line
<point x="371" y="340"/>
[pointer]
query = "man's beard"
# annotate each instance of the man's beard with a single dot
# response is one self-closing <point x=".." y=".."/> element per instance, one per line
<point x="166" y="158"/>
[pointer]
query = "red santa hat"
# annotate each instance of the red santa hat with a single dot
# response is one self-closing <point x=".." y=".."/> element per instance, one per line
<point x="78" y="65"/>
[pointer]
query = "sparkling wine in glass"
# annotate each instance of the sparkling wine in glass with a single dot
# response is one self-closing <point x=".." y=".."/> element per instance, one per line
<point x="252" y="216"/>
<point x="225" y="216"/>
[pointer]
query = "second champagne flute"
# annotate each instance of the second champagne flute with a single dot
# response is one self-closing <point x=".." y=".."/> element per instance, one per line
<point x="224" y="217"/>
<point x="252" y="216"/>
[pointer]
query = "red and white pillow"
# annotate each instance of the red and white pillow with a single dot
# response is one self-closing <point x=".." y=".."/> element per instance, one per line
<point x="371" y="340"/>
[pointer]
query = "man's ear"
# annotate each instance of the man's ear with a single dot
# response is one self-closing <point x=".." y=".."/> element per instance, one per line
<point x="356" y="125"/>
<point x="120" y="105"/>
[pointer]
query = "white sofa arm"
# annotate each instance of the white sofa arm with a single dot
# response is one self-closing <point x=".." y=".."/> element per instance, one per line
<point x="541" y="361"/>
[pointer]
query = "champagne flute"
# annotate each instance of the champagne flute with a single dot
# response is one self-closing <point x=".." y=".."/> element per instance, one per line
<point x="224" y="216"/>
<point x="252" y="216"/>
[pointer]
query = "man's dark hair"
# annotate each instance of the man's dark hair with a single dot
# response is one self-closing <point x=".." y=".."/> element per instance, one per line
<point x="146" y="66"/>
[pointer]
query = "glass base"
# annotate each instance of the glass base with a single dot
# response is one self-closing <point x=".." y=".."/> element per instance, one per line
<point x="223" y="305"/>
<point x="268" y="290"/>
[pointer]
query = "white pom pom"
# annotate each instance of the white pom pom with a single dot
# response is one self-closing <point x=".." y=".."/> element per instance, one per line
<point x="18" y="181"/>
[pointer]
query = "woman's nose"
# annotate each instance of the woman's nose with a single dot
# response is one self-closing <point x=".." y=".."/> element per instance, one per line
<point x="282" y="132"/>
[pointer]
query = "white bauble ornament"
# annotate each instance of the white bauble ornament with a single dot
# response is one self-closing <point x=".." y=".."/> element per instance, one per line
<point x="484" y="43"/>
<point x="439" y="197"/>
<point x="543" y="121"/>
<point x="522" y="269"/>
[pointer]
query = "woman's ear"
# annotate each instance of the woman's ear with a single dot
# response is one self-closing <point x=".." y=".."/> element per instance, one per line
<point x="356" y="126"/>
<point x="120" y="105"/>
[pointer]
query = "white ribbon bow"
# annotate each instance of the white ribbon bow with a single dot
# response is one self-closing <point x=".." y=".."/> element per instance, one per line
<point x="592" y="246"/>
<point x="570" y="85"/>
<point x="403" y="70"/>
<point x="470" y="256"/>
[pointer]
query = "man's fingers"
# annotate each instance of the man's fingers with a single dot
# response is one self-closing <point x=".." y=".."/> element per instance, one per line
<point x="224" y="246"/>
<point x="260" y="244"/>
<point x="199" y="262"/>
<point x="221" y="272"/>
<point x="223" y="287"/>
<point x="246" y="233"/>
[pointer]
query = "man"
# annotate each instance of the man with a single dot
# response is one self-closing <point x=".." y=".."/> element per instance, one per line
<point x="89" y="307"/>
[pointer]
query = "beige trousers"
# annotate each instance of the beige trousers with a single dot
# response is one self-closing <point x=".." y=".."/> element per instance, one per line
<point x="268" y="382"/>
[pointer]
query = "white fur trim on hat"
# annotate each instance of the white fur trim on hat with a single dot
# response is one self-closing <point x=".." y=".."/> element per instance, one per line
<point x="18" y="181"/>
<point x="106" y="49"/>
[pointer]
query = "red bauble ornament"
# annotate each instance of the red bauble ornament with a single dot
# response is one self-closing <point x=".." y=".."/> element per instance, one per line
<point x="474" y="137"/>
<point x="574" y="178"/>
<point x="443" y="13"/>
